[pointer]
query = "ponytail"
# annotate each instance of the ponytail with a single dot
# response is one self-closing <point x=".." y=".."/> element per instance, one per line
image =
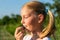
<point x="50" y="27"/>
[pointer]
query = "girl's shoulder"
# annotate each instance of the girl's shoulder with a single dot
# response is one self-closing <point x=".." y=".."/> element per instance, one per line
<point x="46" y="38"/>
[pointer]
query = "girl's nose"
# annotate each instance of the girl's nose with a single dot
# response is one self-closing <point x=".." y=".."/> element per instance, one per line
<point x="22" y="21"/>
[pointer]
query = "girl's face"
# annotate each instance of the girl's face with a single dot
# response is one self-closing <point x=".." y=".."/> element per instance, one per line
<point x="29" y="19"/>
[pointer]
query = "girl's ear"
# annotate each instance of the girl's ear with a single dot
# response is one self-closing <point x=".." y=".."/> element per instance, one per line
<point x="40" y="18"/>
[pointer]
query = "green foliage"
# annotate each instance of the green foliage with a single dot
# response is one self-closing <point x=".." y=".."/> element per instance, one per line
<point x="55" y="7"/>
<point x="1" y="22"/>
<point x="10" y="20"/>
<point x="11" y="28"/>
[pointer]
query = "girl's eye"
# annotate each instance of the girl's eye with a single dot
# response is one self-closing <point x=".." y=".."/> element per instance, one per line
<point x="26" y="16"/>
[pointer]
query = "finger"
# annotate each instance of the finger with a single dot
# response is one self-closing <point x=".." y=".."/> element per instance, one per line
<point x="20" y="33"/>
<point x="19" y="36"/>
<point x="16" y="36"/>
<point x="17" y="30"/>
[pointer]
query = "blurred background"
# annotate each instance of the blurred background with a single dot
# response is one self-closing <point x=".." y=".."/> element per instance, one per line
<point x="10" y="16"/>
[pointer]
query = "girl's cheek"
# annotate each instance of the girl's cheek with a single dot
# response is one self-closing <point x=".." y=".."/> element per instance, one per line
<point x="30" y="21"/>
<point x="27" y="21"/>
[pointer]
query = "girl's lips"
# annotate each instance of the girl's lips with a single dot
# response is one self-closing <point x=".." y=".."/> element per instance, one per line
<point x="25" y="26"/>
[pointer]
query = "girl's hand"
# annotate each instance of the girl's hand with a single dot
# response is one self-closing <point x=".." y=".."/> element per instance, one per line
<point x="19" y="33"/>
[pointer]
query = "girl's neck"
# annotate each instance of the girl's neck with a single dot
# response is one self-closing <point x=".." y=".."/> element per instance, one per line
<point x="37" y="31"/>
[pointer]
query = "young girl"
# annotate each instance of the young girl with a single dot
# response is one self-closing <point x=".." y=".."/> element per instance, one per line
<point x="33" y="15"/>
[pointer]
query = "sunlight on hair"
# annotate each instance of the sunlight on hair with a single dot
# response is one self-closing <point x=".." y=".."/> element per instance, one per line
<point x="48" y="30"/>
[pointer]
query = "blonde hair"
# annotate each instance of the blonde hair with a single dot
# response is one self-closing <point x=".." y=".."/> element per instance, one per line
<point x="50" y="27"/>
<point x="40" y="9"/>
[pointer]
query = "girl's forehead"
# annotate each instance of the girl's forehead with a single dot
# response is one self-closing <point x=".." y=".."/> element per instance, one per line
<point x="26" y="11"/>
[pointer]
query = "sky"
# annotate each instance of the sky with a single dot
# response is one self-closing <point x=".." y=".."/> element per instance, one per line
<point x="8" y="7"/>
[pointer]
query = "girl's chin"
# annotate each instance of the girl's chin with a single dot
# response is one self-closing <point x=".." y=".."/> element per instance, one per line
<point x="29" y="28"/>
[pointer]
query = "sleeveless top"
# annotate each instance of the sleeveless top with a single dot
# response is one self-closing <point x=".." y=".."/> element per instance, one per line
<point x="29" y="37"/>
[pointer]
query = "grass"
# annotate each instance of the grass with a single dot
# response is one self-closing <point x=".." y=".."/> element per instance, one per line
<point x="4" y="35"/>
